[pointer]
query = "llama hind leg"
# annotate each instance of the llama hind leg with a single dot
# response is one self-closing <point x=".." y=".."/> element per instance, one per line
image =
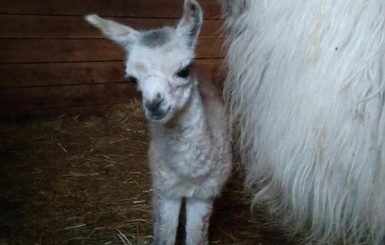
<point x="198" y="213"/>
<point x="165" y="219"/>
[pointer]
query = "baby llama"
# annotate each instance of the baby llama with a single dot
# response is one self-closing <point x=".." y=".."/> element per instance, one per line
<point x="189" y="152"/>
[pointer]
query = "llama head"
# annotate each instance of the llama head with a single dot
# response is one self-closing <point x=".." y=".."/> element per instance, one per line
<point x="159" y="60"/>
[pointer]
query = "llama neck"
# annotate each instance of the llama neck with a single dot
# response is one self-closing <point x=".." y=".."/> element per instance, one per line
<point x="192" y="116"/>
<point x="190" y="121"/>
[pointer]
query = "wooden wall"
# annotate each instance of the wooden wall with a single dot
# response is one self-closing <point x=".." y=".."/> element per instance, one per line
<point x="53" y="62"/>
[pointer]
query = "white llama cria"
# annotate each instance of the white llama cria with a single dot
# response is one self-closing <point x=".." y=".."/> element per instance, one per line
<point x="189" y="151"/>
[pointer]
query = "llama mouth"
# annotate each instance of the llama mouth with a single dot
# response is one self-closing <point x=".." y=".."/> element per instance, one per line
<point x="159" y="115"/>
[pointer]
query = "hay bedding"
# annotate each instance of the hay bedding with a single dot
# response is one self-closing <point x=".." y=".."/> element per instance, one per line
<point x="76" y="180"/>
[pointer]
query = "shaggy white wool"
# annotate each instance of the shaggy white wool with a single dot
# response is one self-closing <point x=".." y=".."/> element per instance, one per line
<point x="306" y="88"/>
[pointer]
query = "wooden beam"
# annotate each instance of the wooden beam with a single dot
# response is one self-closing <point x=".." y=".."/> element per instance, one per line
<point x="65" y="96"/>
<point x="53" y="74"/>
<point x="75" y="50"/>
<point x="36" y="26"/>
<point x="116" y="8"/>
<point x="20" y="114"/>
<point x="13" y="100"/>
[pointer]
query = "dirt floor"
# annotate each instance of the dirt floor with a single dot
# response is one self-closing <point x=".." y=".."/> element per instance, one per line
<point x="78" y="180"/>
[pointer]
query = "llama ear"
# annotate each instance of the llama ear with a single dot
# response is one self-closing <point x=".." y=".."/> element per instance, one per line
<point x="191" y="22"/>
<point x="121" y="34"/>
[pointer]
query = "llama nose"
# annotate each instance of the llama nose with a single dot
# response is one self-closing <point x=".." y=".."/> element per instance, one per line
<point x="153" y="105"/>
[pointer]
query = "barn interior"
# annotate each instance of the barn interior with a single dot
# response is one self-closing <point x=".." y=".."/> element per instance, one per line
<point x="73" y="138"/>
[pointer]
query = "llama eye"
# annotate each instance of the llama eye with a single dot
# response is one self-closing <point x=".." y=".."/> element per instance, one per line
<point x="185" y="72"/>
<point x="133" y="80"/>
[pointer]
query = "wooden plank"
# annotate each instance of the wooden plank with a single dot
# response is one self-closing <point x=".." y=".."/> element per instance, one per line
<point x="50" y="74"/>
<point x="69" y="50"/>
<point x="35" y="26"/>
<point x="39" y="98"/>
<point x="13" y="113"/>
<point x="65" y="96"/>
<point x="19" y="115"/>
<point x="73" y="100"/>
<point x="117" y="8"/>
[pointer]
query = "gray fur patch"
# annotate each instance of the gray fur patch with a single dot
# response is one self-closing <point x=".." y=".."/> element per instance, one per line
<point x="154" y="38"/>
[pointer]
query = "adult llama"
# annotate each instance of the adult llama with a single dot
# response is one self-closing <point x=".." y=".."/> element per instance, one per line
<point x="305" y="89"/>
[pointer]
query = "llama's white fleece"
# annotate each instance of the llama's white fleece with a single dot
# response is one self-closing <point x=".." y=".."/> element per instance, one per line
<point x="306" y="88"/>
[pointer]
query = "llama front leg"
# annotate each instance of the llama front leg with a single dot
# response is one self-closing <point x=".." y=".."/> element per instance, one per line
<point x="198" y="213"/>
<point x="165" y="219"/>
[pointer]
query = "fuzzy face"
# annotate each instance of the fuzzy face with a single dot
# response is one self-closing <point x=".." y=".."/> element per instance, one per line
<point x="159" y="64"/>
<point x="159" y="60"/>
